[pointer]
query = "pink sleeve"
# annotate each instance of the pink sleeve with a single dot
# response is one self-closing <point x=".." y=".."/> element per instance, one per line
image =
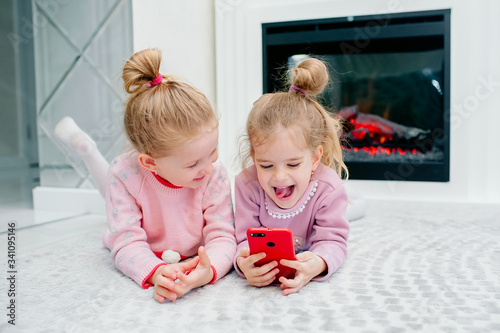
<point x="330" y="231"/>
<point x="219" y="222"/>
<point x="246" y="214"/>
<point x="125" y="237"/>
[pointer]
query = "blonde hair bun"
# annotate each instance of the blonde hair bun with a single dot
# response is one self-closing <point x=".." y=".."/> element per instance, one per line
<point x="141" y="69"/>
<point x="310" y="75"/>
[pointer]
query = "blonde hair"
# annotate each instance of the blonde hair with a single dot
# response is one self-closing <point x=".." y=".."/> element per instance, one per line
<point x="298" y="110"/>
<point x="163" y="116"/>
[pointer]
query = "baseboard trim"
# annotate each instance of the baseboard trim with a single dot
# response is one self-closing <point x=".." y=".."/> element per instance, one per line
<point x="70" y="200"/>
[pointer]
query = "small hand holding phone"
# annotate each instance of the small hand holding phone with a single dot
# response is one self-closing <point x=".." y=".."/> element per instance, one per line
<point x="277" y="243"/>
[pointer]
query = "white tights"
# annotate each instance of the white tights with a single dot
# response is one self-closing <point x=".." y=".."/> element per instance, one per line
<point x="77" y="140"/>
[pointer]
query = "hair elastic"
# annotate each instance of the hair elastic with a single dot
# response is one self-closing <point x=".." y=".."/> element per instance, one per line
<point x="156" y="81"/>
<point x="294" y="87"/>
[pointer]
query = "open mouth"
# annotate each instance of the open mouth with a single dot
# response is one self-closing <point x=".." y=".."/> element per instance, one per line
<point x="284" y="192"/>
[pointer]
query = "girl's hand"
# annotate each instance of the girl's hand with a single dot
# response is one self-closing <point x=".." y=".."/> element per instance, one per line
<point x="164" y="278"/>
<point x="201" y="274"/>
<point x="308" y="265"/>
<point x="174" y="280"/>
<point x="256" y="276"/>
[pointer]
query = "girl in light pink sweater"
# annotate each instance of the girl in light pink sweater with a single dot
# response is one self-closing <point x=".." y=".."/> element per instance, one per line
<point x="294" y="181"/>
<point x="168" y="198"/>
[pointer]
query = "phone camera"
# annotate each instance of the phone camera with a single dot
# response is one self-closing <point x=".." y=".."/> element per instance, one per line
<point x="257" y="234"/>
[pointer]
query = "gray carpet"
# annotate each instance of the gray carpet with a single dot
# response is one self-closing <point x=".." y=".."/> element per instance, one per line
<point x="410" y="267"/>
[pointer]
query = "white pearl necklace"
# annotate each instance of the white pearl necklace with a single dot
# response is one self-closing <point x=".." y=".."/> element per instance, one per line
<point x="296" y="212"/>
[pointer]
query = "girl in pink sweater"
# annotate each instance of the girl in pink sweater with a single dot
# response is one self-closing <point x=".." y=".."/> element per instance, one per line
<point x="294" y="181"/>
<point x="169" y="197"/>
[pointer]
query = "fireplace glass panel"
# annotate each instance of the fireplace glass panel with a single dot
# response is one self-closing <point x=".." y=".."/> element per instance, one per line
<point x="390" y="90"/>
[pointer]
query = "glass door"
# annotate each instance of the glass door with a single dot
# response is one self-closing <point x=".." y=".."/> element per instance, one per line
<point x="58" y="58"/>
<point x="19" y="172"/>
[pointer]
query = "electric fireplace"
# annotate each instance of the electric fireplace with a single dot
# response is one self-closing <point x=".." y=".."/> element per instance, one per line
<point x="389" y="84"/>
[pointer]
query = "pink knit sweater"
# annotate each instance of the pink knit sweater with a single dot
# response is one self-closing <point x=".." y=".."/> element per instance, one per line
<point x="146" y="217"/>
<point x="318" y="220"/>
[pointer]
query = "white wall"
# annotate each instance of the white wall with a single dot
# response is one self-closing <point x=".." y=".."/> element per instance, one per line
<point x="475" y="110"/>
<point x="217" y="47"/>
<point x="184" y="32"/>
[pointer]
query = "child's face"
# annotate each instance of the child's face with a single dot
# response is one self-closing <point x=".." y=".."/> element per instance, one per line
<point x="284" y="168"/>
<point x="188" y="164"/>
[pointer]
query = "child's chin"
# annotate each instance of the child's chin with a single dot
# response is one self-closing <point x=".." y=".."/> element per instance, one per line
<point x="193" y="185"/>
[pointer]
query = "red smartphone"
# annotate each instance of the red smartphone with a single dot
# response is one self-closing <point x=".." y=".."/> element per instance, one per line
<point x="277" y="243"/>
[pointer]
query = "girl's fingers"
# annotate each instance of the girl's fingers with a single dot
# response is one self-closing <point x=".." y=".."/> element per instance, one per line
<point x="289" y="291"/>
<point x="271" y="275"/>
<point x="165" y="282"/>
<point x="245" y="252"/>
<point x="191" y="264"/>
<point x="291" y="263"/>
<point x="246" y="263"/>
<point x="164" y="271"/>
<point x="204" y="260"/>
<point x="158" y="297"/>
<point x="303" y="256"/>
<point x="264" y="280"/>
<point x="255" y="257"/>
<point x="288" y="283"/>
<point x="265" y="269"/>
<point x="290" y="286"/>
<point x="161" y="294"/>
<point x="184" y="284"/>
<point x="263" y="283"/>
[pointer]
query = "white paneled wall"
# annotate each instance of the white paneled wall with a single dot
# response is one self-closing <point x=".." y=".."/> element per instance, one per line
<point x="475" y="84"/>
<point x="216" y="45"/>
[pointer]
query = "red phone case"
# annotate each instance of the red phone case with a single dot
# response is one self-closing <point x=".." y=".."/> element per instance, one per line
<point x="277" y="243"/>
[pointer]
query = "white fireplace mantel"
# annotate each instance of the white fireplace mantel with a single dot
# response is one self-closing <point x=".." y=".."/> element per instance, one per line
<point x="475" y="86"/>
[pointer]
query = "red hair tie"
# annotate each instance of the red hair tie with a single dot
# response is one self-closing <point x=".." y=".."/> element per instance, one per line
<point x="156" y="81"/>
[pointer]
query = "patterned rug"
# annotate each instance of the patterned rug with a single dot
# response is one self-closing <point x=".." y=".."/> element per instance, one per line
<point x="411" y="267"/>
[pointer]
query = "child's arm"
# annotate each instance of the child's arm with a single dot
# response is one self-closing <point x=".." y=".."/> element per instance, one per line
<point x="329" y="243"/>
<point x="125" y="236"/>
<point x="218" y="232"/>
<point x="248" y="204"/>
<point x="214" y="260"/>
<point x="331" y="231"/>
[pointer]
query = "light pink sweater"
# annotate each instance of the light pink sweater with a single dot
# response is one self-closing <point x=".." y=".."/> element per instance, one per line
<point x="320" y="227"/>
<point x="146" y="217"/>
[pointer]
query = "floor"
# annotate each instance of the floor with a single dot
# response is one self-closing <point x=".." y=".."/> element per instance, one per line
<point x="411" y="267"/>
<point x="16" y="201"/>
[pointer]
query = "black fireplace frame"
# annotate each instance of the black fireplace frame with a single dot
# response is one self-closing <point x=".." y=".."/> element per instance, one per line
<point x="344" y="32"/>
